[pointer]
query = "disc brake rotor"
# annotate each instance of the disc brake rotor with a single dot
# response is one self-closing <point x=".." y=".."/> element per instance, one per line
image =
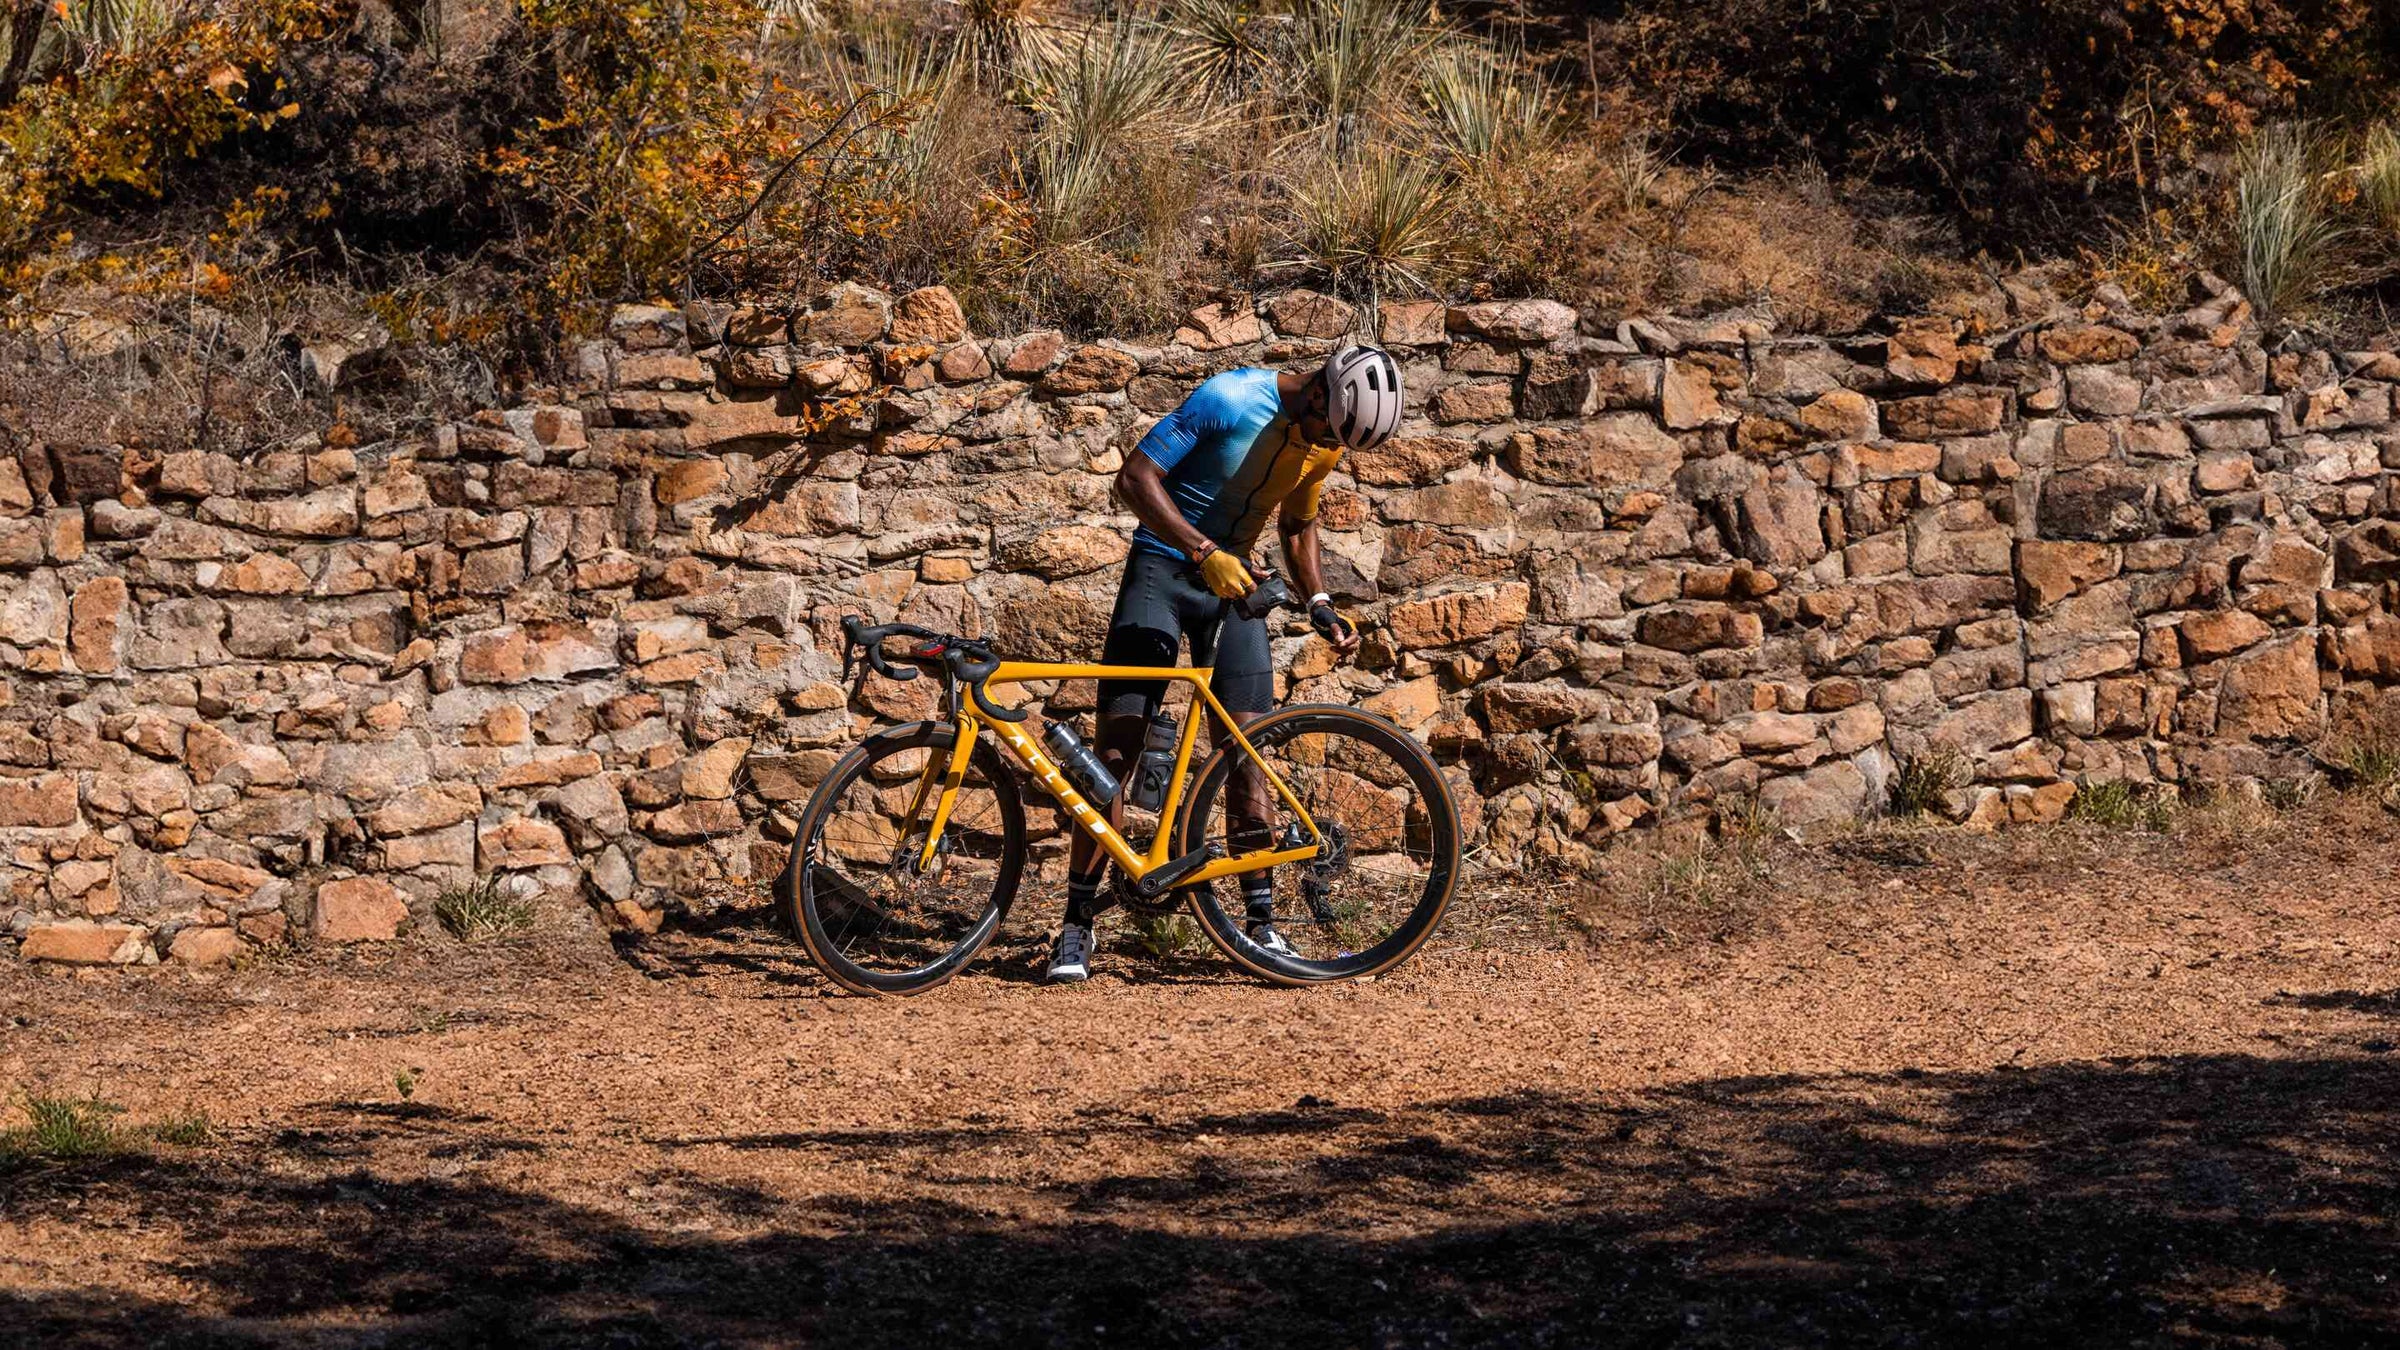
<point x="1318" y="874"/>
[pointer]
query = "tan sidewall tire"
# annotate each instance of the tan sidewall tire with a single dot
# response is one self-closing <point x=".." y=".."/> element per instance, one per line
<point x="935" y="735"/>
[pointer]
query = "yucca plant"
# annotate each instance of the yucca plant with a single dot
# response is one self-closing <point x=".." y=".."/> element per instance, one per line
<point x="896" y="69"/>
<point x="798" y="15"/>
<point x="1105" y="97"/>
<point x="1380" y="224"/>
<point x="2284" y="228"/>
<point x="1225" y="43"/>
<point x="1635" y="167"/>
<point x="1351" y="54"/>
<point x="996" y="36"/>
<point x="1479" y="105"/>
<point x="119" y="25"/>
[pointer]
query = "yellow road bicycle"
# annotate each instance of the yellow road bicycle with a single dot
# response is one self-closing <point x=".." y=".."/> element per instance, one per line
<point x="910" y="851"/>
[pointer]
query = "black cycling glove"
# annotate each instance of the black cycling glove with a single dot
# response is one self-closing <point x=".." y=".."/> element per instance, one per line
<point x="1328" y="621"/>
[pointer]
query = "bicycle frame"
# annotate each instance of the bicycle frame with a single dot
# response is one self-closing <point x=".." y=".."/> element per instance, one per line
<point x="1135" y="866"/>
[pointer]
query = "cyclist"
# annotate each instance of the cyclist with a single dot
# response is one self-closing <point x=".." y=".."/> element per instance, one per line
<point x="1246" y="444"/>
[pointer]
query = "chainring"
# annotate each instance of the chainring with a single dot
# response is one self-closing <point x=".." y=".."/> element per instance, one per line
<point x="1121" y="892"/>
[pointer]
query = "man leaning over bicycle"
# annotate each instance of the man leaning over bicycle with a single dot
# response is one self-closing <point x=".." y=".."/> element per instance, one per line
<point x="1246" y="444"/>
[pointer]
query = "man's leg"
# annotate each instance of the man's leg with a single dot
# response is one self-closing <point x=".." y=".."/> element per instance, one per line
<point x="1245" y="683"/>
<point x="1143" y="631"/>
<point x="1250" y="826"/>
<point x="1120" y="745"/>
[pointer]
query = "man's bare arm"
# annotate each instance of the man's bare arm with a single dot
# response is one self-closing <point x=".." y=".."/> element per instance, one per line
<point x="1142" y="486"/>
<point x="1300" y="549"/>
<point x="1303" y="551"/>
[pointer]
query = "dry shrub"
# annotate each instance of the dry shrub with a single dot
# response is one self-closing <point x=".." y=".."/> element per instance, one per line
<point x="675" y="152"/>
<point x="123" y="94"/>
<point x="2029" y="121"/>
<point x="1693" y="880"/>
<point x="2231" y="820"/>
<point x="1609" y="227"/>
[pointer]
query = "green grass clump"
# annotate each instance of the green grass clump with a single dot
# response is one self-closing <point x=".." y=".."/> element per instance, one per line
<point x="482" y="909"/>
<point x="2283" y="220"/>
<point x="1164" y="935"/>
<point x="2371" y="763"/>
<point x="65" y="1128"/>
<point x="1924" y="782"/>
<point x="2120" y="805"/>
<point x="2379" y="185"/>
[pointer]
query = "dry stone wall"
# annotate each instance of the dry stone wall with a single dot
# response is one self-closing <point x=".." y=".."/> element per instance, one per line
<point x="1605" y="574"/>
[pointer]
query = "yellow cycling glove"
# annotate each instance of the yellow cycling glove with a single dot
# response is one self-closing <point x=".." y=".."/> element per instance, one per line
<point x="1226" y="574"/>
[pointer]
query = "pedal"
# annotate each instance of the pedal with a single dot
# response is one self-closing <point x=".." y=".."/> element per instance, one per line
<point x="1171" y="873"/>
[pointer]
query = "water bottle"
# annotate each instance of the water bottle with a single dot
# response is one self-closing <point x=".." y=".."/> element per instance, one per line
<point x="1157" y="764"/>
<point x="1079" y="764"/>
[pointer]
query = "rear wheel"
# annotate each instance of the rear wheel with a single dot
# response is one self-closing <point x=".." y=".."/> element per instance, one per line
<point x="875" y="920"/>
<point x="1390" y="862"/>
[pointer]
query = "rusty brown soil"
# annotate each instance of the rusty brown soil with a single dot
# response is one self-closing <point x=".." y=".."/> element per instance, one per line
<point x="2065" y="1087"/>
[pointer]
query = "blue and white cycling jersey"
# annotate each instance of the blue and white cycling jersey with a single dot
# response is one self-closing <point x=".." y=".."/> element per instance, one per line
<point x="1231" y="458"/>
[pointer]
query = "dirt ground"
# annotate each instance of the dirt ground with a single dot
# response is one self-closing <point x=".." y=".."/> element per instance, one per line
<point x="2059" y="1087"/>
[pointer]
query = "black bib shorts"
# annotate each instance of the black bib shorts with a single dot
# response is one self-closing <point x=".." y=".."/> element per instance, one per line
<point x="1162" y="603"/>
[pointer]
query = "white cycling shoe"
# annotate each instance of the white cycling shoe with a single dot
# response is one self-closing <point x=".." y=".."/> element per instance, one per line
<point x="1071" y="955"/>
<point x="1265" y="935"/>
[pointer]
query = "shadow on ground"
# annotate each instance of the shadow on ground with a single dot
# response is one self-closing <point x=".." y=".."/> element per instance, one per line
<point x="2200" y="1200"/>
<point x="752" y="943"/>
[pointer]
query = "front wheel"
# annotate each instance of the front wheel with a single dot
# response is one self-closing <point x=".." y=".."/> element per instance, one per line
<point x="876" y="919"/>
<point x="1391" y="856"/>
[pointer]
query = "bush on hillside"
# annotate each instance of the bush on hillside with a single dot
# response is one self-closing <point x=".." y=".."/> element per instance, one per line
<point x="485" y="173"/>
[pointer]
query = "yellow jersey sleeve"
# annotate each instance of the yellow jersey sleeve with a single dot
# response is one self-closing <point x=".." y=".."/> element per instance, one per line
<point x="1300" y="504"/>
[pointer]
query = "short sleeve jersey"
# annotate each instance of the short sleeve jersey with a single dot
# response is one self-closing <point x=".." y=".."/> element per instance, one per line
<point x="1231" y="458"/>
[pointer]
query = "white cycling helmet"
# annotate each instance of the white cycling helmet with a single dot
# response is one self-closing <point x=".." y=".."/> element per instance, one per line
<point x="1362" y="396"/>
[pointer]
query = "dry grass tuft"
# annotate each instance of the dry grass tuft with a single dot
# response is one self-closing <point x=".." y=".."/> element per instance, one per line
<point x="2285" y="234"/>
<point x="486" y="908"/>
<point x="1695" y="880"/>
<point x="2379" y="189"/>
<point x="1923" y="782"/>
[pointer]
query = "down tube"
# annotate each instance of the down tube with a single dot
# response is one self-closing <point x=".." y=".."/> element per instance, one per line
<point x="962" y="746"/>
<point x="1056" y="784"/>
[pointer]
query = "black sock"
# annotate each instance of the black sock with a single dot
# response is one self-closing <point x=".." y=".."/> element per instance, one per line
<point x="1258" y="888"/>
<point x="1258" y="897"/>
<point x="1083" y="899"/>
